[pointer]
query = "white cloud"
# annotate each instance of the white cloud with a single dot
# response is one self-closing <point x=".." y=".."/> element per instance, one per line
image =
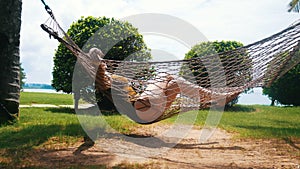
<point x="243" y="20"/>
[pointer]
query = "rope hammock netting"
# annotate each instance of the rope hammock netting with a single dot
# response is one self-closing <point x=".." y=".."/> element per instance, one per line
<point x="155" y="89"/>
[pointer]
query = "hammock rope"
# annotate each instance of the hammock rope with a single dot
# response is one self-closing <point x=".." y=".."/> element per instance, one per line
<point x="155" y="90"/>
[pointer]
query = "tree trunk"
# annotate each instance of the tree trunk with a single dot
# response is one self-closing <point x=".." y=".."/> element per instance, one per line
<point x="10" y="21"/>
<point x="76" y="99"/>
<point x="273" y="102"/>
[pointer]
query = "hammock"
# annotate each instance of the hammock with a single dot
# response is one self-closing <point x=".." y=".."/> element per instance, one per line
<point x="148" y="92"/>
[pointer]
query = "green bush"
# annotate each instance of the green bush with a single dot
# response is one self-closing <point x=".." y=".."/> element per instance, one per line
<point x="207" y="52"/>
<point x="116" y="39"/>
<point x="286" y="90"/>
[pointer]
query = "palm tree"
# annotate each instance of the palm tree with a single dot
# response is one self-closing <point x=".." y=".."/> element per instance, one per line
<point x="10" y="21"/>
<point x="294" y="6"/>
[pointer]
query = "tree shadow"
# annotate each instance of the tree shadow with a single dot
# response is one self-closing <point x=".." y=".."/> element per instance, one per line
<point x="36" y="135"/>
<point x="240" y="108"/>
<point x="88" y="143"/>
<point x="149" y="141"/>
<point x="95" y="111"/>
<point x="289" y="141"/>
<point x="231" y="166"/>
<point x="91" y="111"/>
<point x="66" y="110"/>
<point x="202" y="146"/>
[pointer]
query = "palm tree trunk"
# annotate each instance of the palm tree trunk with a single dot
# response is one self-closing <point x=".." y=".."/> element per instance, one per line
<point x="10" y="21"/>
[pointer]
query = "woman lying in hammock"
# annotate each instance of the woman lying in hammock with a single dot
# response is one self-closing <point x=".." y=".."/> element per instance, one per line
<point x="160" y="93"/>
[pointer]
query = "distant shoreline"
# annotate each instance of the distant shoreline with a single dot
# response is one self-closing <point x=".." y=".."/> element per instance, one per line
<point x="245" y="99"/>
<point x="37" y="86"/>
<point x="42" y="91"/>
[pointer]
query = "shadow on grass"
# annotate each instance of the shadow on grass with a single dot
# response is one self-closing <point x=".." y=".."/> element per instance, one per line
<point x="66" y="110"/>
<point x="20" y="147"/>
<point x="240" y="108"/>
<point x="36" y="135"/>
<point x="95" y="111"/>
<point x="92" y="111"/>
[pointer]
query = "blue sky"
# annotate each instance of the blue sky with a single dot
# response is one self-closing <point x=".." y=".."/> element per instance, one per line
<point x="246" y="21"/>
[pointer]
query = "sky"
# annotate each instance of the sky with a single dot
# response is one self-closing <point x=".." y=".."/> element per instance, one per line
<point x="246" y="21"/>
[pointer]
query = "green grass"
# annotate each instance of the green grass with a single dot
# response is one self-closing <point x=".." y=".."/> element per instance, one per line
<point x="37" y="125"/>
<point x="248" y="121"/>
<point x="49" y="128"/>
<point x="263" y="122"/>
<point x="45" y="98"/>
<point x="256" y="121"/>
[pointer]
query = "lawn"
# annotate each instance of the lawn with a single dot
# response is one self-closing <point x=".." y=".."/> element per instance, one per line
<point x="51" y="128"/>
<point x="264" y="122"/>
<point x="40" y="129"/>
<point x="256" y="121"/>
<point x="28" y="98"/>
<point x="248" y="121"/>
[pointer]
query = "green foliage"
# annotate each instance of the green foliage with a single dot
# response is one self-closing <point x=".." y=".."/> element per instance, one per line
<point x="286" y="90"/>
<point x="206" y="50"/>
<point x="211" y="48"/>
<point x="118" y="40"/>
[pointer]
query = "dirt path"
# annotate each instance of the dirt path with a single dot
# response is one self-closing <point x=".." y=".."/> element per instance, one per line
<point x="220" y="151"/>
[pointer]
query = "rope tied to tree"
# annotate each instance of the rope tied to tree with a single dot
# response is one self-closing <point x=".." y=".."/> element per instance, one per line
<point x="48" y="9"/>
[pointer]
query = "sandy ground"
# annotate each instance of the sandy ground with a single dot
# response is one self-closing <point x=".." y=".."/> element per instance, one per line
<point x="152" y="149"/>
